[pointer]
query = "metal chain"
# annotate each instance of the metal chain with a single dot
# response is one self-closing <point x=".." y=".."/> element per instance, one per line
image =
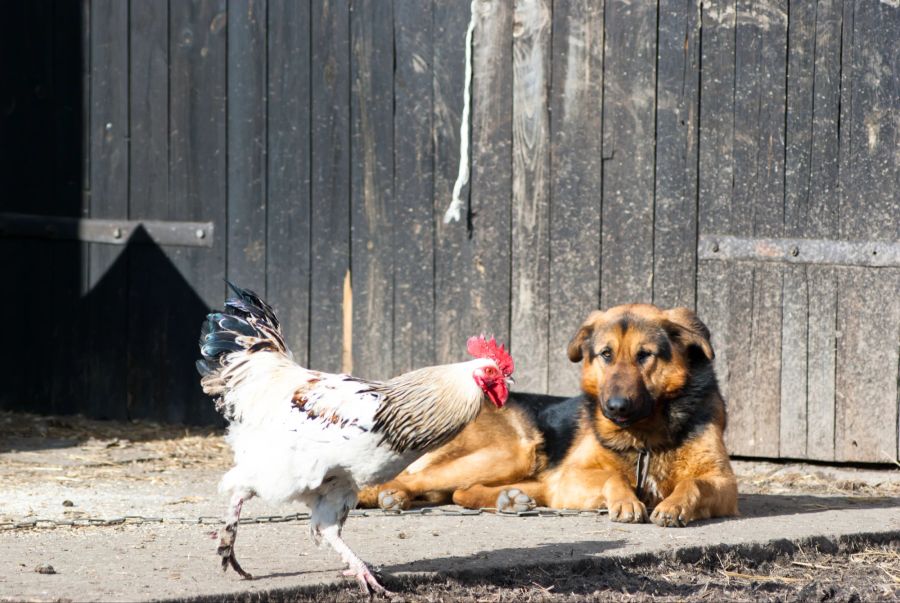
<point x="299" y="517"/>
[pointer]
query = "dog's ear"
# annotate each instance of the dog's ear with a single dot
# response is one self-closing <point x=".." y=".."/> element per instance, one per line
<point x="576" y="346"/>
<point x="690" y="330"/>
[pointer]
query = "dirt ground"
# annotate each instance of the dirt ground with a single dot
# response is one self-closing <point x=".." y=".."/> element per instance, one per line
<point x="858" y="572"/>
<point x="174" y="470"/>
<point x="84" y="449"/>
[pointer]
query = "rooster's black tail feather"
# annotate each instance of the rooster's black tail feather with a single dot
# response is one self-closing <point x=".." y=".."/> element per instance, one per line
<point x="247" y="324"/>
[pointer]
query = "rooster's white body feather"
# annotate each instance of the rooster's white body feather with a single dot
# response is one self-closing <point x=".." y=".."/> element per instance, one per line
<point x="318" y="438"/>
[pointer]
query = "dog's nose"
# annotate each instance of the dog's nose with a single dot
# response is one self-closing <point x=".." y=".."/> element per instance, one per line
<point x="617" y="406"/>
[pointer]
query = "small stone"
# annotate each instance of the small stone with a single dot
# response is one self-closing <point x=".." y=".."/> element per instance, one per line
<point x="402" y="536"/>
<point x="68" y="503"/>
<point x="45" y="569"/>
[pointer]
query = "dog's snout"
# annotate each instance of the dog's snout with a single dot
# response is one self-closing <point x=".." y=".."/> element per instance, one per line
<point x="617" y="405"/>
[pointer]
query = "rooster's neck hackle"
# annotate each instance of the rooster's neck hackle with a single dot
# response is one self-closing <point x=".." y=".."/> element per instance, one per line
<point x="426" y="408"/>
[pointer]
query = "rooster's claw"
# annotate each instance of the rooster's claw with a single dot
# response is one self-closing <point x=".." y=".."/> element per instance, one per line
<point x="231" y="560"/>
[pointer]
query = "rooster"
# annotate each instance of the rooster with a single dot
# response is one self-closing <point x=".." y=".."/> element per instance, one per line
<point x="318" y="438"/>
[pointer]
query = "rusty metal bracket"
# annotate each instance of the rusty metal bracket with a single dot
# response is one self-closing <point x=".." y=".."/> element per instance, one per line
<point x="800" y="251"/>
<point x="113" y="232"/>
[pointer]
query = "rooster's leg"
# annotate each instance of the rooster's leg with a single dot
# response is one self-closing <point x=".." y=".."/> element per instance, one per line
<point x="229" y="533"/>
<point x="367" y="581"/>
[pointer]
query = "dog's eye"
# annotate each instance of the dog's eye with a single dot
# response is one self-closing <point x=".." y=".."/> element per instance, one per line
<point x="642" y="356"/>
<point x="606" y="354"/>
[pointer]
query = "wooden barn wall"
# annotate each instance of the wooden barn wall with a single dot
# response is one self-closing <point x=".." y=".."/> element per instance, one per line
<point x="608" y="138"/>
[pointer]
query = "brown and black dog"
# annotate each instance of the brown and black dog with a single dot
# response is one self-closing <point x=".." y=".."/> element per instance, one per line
<point x="645" y="433"/>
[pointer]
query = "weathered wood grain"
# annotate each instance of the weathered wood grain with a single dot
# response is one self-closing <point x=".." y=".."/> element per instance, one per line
<point x="413" y="221"/>
<point x="810" y="211"/>
<point x="677" y="147"/>
<point x="530" y="295"/>
<point x="488" y="275"/>
<point x="821" y="350"/>
<point x="868" y="303"/>
<point x="330" y="193"/>
<point x="107" y="319"/>
<point x="452" y="250"/>
<point x="152" y="301"/>
<point x="794" y="354"/>
<point x="758" y="199"/>
<point x="715" y="173"/>
<point x="197" y="162"/>
<point x="70" y="120"/>
<point x="629" y="100"/>
<point x="288" y="175"/>
<point x="472" y="279"/>
<point x="575" y="180"/>
<point x="867" y="365"/>
<point x="751" y="204"/>
<point x="372" y="187"/>
<point x="247" y="143"/>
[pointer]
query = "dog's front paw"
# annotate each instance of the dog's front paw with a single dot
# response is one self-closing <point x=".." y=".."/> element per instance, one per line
<point x="514" y="500"/>
<point x="671" y="514"/>
<point x="627" y="511"/>
<point x="393" y="500"/>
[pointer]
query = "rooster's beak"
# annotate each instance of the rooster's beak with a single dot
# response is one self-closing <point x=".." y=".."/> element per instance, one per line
<point x="510" y="381"/>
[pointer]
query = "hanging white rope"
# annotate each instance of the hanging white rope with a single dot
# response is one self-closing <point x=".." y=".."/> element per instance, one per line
<point x="454" y="212"/>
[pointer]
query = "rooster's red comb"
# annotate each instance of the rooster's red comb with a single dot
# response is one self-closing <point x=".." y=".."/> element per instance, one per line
<point x="479" y="347"/>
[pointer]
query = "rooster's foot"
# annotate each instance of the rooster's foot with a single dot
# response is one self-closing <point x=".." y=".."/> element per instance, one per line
<point x="367" y="581"/>
<point x="228" y="558"/>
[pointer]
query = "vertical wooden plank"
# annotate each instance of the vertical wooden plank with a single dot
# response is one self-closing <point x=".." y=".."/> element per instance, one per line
<point x="372" y="187"/>
<point x="751" y="205"/>
<point x="867" y="363"/>
<point x="330" y="197"/>
<point x="452" y="252"/>
<point x="487" y="278"/>
<point x="758" y="199"/>
<point x="715" y="173"/>
<point x="822" y="324"/>
<point x="745" y="351"/>
<point x="629" y="101"/>
<point x="764" y="394"/>
<point x="759" y="114"/>
<point x="109" y="199"/>
<point x="575" y="180"/>
<point x="868" y="304"/>
<point x="66" y="379"/>
<point x="798" y="137"/>
<point x="794" y="355"/>
<point x="735" y="288"/>
<point x="810" y="206"/>
<point x="472" y="291"/>
<point x="197" y="189"/>
<point x="529" y="328"/>
<point x="677" y="132"/>
<point x="39" y="164"/>
<point x="247" y="72"/>
<point x="413" y="221"/>
<point x="148" y="186"/>
<point x="288" y="176"/>
<point x="150" y="355"/>
<point x="716" y="155"/>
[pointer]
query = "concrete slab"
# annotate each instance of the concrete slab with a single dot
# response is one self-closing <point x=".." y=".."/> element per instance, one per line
<point x="58" y="470"/>
<point x="170" y="561"/>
